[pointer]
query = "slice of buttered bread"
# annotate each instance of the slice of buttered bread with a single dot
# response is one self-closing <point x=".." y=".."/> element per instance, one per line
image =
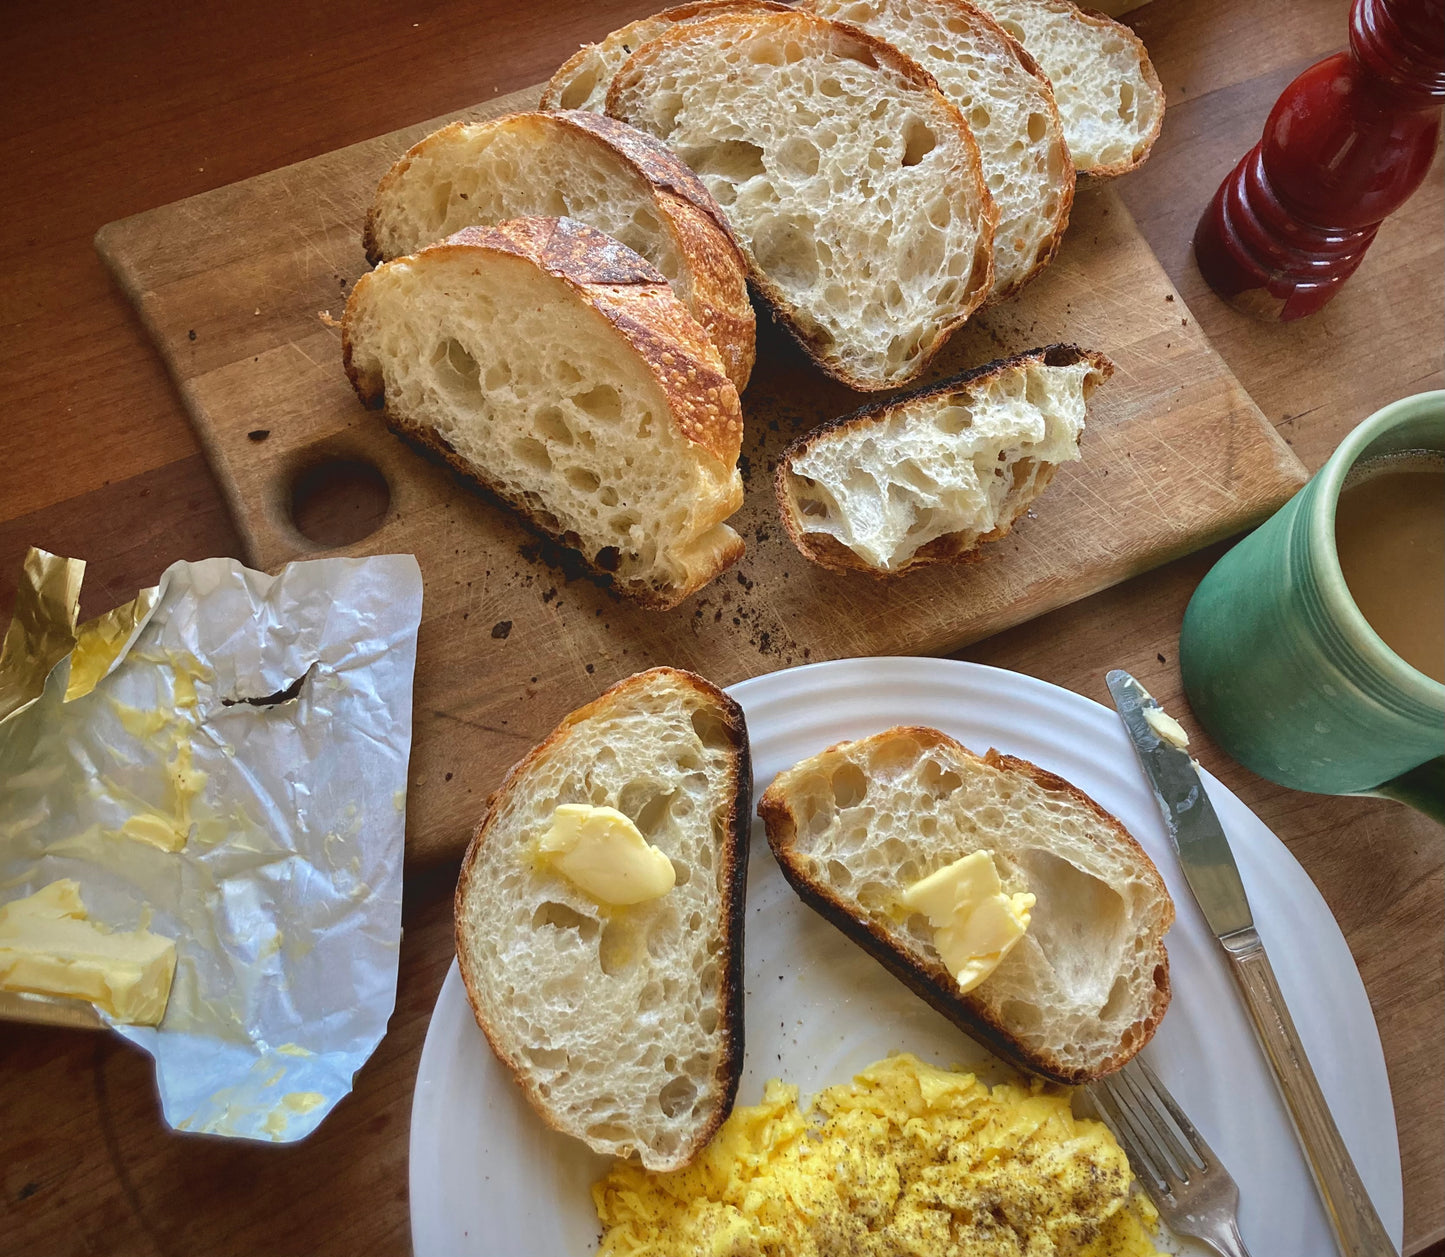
<point x="853" y="186"/>
<point x="622" y="1025"/>
<point x="556" y="368"/>
<point x="1108" y="93"/>
<point x="581" y="82"/>
<point x="583" y="166"/>
<point x="931" y="476"/>
<point x="1085" y="986"/>
<point x="1006" y="100"/>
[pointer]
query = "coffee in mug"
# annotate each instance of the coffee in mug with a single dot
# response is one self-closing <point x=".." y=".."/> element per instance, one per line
<point x="1390" y="536"/>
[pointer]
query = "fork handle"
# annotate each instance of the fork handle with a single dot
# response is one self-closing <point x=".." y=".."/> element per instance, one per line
<point x="1358" y="1230"/>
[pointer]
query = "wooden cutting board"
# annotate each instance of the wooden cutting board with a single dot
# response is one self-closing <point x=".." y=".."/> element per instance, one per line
<point x="232" y="283"/>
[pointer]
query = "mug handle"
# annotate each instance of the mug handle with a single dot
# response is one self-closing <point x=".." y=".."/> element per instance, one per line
<point x="1421" y="787"/>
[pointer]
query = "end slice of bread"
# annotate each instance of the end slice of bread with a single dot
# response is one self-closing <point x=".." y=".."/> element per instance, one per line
<point x="1108" y="94"/>
<point x="852" y="185"/>
<point x="931" y="476"/>
<point x="1008" y="103"/>
<point x="581" y="82"/>
<point x="623" y="1026"/>
<point x="1085" y="987"/>
<point x="583" y="166"/>
<point x="555" y="367"/>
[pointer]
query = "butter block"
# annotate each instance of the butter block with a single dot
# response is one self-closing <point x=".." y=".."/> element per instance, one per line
<point x="605" y="856"/>
<point x="49" y="946"/>
<point x="975" y="924"/>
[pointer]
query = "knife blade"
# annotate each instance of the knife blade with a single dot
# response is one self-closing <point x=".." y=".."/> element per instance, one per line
<point x="1213" y="877"/>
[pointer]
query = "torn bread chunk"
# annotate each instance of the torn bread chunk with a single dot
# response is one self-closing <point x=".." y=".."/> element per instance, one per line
<point x="931" y="476"/>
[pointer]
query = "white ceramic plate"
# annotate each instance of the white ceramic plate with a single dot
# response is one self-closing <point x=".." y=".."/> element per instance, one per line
<point x="487" y="1178"/>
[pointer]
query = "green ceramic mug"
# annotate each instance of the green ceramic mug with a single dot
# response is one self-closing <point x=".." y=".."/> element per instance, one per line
<point x="1283" y="669"/>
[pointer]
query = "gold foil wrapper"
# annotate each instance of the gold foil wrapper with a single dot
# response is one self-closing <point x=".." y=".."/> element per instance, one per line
<point x="42" y="628"/>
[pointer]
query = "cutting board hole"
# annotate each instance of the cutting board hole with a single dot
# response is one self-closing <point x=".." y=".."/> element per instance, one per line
<point x="339" y="502"/>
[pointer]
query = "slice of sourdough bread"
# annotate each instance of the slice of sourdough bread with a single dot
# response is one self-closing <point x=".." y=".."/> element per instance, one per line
<point x="581" y="82"/>
<point x="1006" y="100"/>
<point x="1108" y="94"/>
<point x="555" y="367"/>
<point x="623" y="1026"/>
<point x="584" y="166"/>
<point x="930" y="476"/>
<point x="1084" y="988"/>
<point x="853" y="186"/>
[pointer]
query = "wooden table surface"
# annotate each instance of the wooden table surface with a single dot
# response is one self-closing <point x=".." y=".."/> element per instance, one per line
<point x="115" y="108"/>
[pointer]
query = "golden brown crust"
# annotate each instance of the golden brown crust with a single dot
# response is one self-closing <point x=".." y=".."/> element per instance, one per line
<point x="733" y="874"/>
<point x="928" y="978"/>
<point x="859" y="44"/>
<point x="716" y="277"/>
<point x="827" y="551"/>
<point x="640" y="304"/>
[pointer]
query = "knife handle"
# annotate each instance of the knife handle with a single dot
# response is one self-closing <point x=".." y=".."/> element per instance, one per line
<point x="1358" y="1230"/>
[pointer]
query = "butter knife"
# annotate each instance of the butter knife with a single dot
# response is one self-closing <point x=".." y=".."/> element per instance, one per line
<point x="1209" y="867"/>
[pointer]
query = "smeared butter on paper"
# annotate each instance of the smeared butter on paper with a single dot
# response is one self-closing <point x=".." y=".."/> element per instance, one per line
<point x="217" y="762"/>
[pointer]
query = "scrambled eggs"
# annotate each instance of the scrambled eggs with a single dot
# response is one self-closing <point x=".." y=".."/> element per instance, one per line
<point x="906" y="1161"/>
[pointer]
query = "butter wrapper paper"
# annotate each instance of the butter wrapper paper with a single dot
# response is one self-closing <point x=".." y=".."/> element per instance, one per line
<point x="228" y="769"/>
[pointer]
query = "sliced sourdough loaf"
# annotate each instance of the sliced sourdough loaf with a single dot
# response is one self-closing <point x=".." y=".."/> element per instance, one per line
<point x="581" y="82"/>
<point x="1084" y="988"/>
<point x="623" y="1026"/>
<point x="1006" y="100"/>
<point x="556" y="368"/>
<point x="930" y="476"/>
<point x="853" y="186"/>
<point x="584" y="166"/>
<point x="1108" y="94"/>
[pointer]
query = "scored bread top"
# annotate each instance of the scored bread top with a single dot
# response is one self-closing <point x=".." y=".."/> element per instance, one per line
<point x="583" y="166"/>
<point x="1108" y="93"/>
<point x="581" y="82"/>
<point x="623" y="1026"/>
<point x="555" y="367"/>
<point x="935" y="473"/>
<point x="1008" y="103"/>
<point x="1086" y="986"/>
<point x="852" y="184"/>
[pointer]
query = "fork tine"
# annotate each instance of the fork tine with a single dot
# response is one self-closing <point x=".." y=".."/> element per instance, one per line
<point x="1149" y="1105"/>
<point x="1143" y="1159"/>
<point x="1203" y="1153"/>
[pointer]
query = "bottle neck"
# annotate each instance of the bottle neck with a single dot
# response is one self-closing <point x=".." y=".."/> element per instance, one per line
<point x="1401" y="43"/>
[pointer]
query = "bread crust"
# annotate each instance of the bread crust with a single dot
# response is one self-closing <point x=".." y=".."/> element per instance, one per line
<point x="827" y="551"/>
<point x="734" y="866"/>
<point x="883" y="53"/>
<point x="639" y="303"/>
<point x="700" y="231"/>
<point x="928" y="978"/>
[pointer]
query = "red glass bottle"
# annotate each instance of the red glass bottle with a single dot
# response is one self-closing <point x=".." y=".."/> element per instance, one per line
<point x="1345" y="146"/>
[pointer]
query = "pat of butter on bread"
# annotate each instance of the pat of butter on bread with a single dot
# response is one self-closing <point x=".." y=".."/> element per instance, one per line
<point x="975" y="925"/>
<point x="600" y="851"/>
<point x="49" y="946"/>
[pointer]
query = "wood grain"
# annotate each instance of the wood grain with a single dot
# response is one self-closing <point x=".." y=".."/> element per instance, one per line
<point x="113" y="109"/>
<point x="229" y="283"/>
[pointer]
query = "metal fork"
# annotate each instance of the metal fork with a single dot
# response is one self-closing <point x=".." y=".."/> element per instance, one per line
<point x="1191" y="1189"/>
